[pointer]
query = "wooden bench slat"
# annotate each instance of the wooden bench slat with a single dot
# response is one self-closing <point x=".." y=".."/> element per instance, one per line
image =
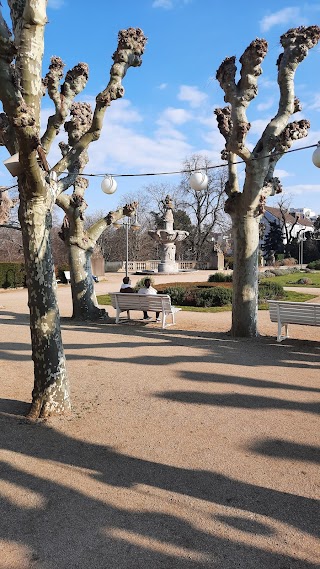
<point x="284" y="313"/>
<point x="144" y="302"/>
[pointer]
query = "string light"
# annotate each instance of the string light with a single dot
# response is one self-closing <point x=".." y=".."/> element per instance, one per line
<point x="190" y="171"/>
<point x="187" y="171"/>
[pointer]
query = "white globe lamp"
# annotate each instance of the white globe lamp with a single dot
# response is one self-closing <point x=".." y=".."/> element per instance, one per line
<point x="316" y="156"/>
<point x="109" y="185"/>
<point x="198" y="181"/>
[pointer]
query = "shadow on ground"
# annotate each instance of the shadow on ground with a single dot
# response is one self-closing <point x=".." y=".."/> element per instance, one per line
<point x="72" y="529"/>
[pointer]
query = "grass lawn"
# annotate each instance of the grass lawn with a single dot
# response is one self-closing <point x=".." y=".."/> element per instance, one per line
<point x="104" y="299"/>
<point x="291" y="279"/>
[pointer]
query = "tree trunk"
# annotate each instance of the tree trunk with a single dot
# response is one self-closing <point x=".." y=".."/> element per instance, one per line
<point x="245" y="274"/>
<point x="84" y="300"/>
<point x="51" y="389"/>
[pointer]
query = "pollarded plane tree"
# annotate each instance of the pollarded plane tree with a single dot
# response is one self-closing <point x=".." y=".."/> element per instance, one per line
<point x="79" y="239"/>
<point x="247" y="206"/>
<point x="21" y="91"/>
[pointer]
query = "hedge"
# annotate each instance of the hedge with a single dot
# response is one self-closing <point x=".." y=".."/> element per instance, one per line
<point x="12" y="275"/>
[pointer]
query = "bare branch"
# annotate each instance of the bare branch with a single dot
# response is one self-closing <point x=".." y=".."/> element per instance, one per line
<point x="97" y="228"/>
<point x="30" y="47"/>
<point x="224" y="121"/>
<point x="293" y="131"/>
<point x="296" y="43"/>
<point x="131" y="45"/>
<point x="239" y="95"/>
<point x="226" y="76"/>
<point x="251" y="69"/>
<point x="65" y="183"/>
<point x="7" y="135"/>
<point x="74" y="83"/>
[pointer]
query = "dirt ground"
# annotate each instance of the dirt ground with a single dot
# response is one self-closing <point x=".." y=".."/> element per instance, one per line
<point x="185" y="448"/>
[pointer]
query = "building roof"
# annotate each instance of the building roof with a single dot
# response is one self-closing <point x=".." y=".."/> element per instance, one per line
<point x="288" y="217"/>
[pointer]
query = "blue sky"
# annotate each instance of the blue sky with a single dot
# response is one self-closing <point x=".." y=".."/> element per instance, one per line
<point x="167" y="111"/>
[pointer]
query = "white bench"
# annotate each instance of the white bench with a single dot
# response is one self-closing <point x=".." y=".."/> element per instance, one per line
<point x="285" y="313"/>
<point x="67" y="276"/>
<point x="122" y="301"/>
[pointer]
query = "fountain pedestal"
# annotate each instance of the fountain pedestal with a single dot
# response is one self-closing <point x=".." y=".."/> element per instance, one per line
<point x="167" y="238"/>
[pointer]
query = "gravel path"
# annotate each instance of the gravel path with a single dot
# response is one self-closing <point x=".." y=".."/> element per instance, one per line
<point x="186" y="448"/>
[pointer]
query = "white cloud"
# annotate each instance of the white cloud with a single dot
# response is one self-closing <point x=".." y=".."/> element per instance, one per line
<point x="192" y="95"/>
<point x="55" y="4"/>
<point x="176" y="116"/>
<point x="282" y="173"/>
<point x="258" y="126"/>
<point x="302" y="189"/>
<point x="266" y="105"/>
<point x="120" y="148"/>
<point x="267" y="83"/>
<point x="162" y="86"/>
<point x="316" y="103"/>
<point x="166" y="4"/>
<point x="288" y="15"/>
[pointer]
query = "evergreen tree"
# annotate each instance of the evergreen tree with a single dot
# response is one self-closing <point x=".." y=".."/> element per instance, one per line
<point x="273" y="240"/>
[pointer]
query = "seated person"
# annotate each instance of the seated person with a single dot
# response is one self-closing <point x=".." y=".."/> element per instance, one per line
<point x="126" y="285"/>
<point x="148" y="289"/>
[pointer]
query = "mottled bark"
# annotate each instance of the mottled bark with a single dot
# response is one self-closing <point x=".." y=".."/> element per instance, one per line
<point x="80" y="243"/>
<point x="51" y="389"/>
<point x="245" y="234"/>
<point x="21" y="90"/>
<point x="247" y="206"/>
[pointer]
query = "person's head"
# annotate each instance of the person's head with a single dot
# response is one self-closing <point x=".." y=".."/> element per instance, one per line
<point x="147" y="283"/>
<point x="126" y="280"/>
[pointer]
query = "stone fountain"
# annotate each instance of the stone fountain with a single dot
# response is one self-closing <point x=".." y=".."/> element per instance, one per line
<point x="167" y="238"/>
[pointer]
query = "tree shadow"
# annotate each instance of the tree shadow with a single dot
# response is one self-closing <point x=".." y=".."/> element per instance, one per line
<point x="123" y="471"/>
<point x="245" y="381"/>
<point x="238" y="401"/>
<point x="279" y="448"/>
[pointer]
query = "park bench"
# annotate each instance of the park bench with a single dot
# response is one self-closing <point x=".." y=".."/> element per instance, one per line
<point x="122" y="301"/>
<point x="285" y="313"/>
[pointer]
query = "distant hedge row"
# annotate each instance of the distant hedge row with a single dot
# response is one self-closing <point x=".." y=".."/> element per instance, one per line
<point x="12" y="275"/>
<point x="207" y="296"/>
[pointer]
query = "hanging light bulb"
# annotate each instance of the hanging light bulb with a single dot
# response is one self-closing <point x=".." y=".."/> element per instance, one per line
<point x="316" y="156"/>
<point x="109" y="185"/>
<point x="198" y="181"/>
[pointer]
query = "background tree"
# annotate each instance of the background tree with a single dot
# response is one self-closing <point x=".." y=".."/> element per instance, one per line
<point x="317" y="227"/>
<point x="78" y="237"/>
<point x="247" y="206"/>
<point x="205" y="207"/>
<point x="289" y="229"/>
<point x="21" y="91"/>
<point x="273" y="240"/>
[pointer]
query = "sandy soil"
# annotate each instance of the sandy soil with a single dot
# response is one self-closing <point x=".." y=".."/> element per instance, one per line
<point x="185" y="448"/>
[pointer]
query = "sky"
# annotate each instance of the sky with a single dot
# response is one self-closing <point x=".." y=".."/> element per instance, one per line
<point x="166" y="114"/>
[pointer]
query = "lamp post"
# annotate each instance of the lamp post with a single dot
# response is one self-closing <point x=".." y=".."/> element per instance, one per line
<point x="128" y="223"/>
<point x="301" y="249"/>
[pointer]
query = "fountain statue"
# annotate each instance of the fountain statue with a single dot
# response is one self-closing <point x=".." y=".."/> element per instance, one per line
<point x="167" y="238"/>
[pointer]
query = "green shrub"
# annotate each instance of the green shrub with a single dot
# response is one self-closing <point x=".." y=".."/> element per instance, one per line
<point x="270" y="290"/>
<point x="140" y="283"/>
<point x="315" y="265"/>
<point x="217" y="296"/>
<point x="220" y="278"/>
<point x="177" y="294"/>
<point x="289" y="261"/>
<point x="12" y="275"/>
<point x="228" y="262"/>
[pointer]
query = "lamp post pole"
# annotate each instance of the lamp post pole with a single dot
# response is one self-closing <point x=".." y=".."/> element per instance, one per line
<point x="127" y="245"/>
<point x="134" y="225"/>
